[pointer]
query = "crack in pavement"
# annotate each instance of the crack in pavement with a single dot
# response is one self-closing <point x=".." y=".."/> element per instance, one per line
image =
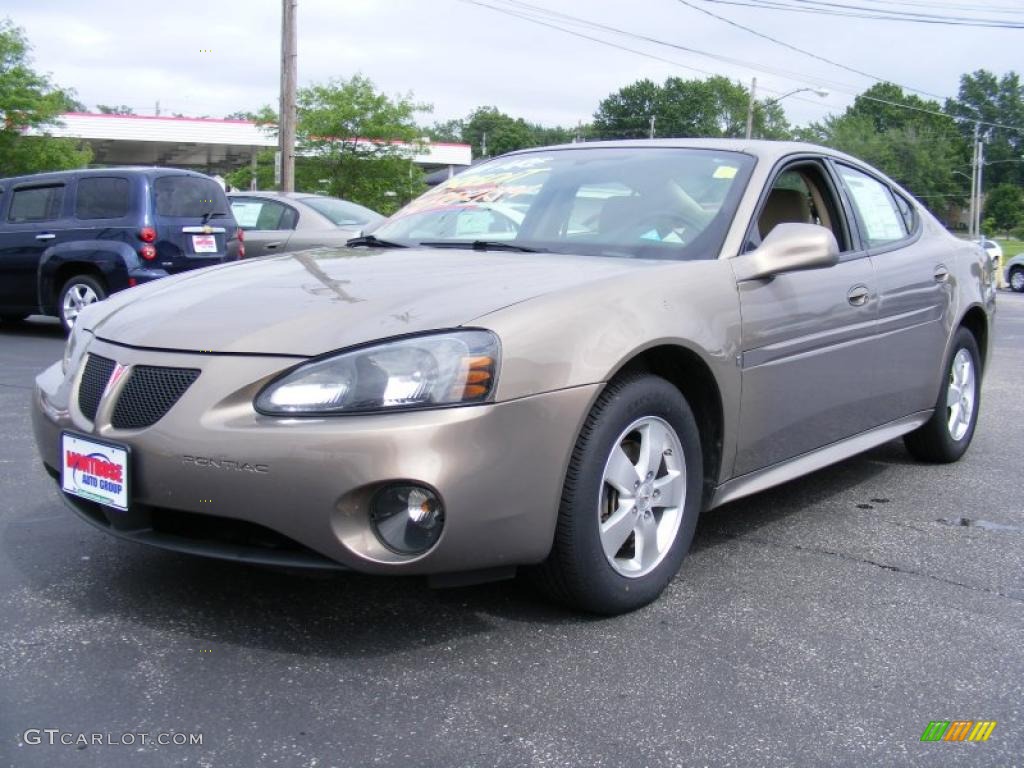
<point x="866" y="561"/>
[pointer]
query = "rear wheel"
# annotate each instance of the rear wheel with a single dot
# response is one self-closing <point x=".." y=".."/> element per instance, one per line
<point x="1017" y="279"/>
<point x="630" y="502"/>
<point x="947" y="434"/>
<point x="78" y="292"/>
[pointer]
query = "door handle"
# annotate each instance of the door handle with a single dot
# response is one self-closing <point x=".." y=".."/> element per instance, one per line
<point x="272" y="246"/>
<point x="45" y="236"/>
<point x="858" y="295"/>
<point x="941" y="273"/>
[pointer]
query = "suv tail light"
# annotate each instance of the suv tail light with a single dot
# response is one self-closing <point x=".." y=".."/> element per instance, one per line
<point x="148" y="252"/>
<point x="147" y="235"/>
<point x="240" y="234"/>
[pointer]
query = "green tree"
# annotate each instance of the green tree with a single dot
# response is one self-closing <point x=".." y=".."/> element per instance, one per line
<point x="503" y="132"/>
<point x="899" y="134"/>
<point x="1004" y="206"/>
<point x="347" y="145"/>
<point x="29" y="105"/>
<point x="714" y="108"/>
<point x="985" y="97"/>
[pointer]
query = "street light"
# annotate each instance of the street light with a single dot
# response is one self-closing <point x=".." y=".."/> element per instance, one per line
<point x="821" y="92"/>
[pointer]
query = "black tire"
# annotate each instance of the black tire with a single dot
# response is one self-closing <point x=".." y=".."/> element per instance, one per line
<point x="933" y="441"/>
<point x="85" y="282"/>
<point x="13" y="318"/>
<point x="1017" y="279"/>
<point x="577" y="572"/>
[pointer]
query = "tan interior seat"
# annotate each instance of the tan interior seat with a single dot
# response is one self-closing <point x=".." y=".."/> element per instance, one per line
<point x="784" y="206"/>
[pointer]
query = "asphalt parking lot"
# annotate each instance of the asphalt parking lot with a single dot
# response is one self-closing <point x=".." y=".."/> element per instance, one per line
<point x="826" y="622"/>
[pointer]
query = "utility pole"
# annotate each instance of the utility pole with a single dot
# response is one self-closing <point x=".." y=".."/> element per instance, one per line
<point x="981" y="197"/>
<point x="483" y="146"/>
<point x="750" y="108"/>
<point x="652" y="126"/>
<point x="288" y="111"/>
<point x="974" y="185"/>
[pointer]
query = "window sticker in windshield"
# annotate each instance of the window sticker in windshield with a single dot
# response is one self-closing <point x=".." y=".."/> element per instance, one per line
<point x="725" y="172"/>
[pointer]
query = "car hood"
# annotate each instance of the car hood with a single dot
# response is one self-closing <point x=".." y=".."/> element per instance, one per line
<point x="311" y="302"/>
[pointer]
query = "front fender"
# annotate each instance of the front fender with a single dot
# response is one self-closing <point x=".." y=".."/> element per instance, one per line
<point x="112" y="259"/>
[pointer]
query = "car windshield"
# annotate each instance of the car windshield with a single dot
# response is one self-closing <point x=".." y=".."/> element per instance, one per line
<point x="651" y="202"/>
<point x="341" y="212"/>
<point x="189" y="197"/>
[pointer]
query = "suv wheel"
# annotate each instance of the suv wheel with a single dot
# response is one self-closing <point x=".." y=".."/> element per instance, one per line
<point x="1017" y="279"/>
<point x="630" y="502"/>
<point x="78" y="293"/>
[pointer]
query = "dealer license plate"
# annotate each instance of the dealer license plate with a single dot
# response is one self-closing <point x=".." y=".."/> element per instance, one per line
<point x="204" y="243"/>
<point x="93" y="470"/>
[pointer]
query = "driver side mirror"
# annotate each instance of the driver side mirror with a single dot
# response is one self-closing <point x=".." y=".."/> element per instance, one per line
<point x="788" y="248"/>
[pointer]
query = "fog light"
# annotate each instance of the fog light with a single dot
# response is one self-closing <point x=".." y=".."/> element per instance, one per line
<point x="407" y="518"/>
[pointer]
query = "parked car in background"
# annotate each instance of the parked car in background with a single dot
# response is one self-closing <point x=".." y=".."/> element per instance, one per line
<point x="1014" y="273"/>
<point x="663" y="327"/>
<point x="276" y="222"/>
<point x="995" y="252"/>
<point x="71" y="238"/>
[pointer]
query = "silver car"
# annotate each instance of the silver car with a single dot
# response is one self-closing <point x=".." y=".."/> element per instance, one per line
<point x="276" y="222"/>
<point x="551" y="363"/>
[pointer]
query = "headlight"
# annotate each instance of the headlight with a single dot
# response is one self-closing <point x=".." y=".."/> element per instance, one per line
<point x="77" y="341"/>
<point x="453" y="368"/>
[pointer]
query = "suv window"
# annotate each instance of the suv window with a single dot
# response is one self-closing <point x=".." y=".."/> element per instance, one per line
<point x="881" y="219"/>
<point x="252" y="213"/>
<point x="37" y="203"/>
<point x="101" y="198"/>
<point x="188" y="197"/>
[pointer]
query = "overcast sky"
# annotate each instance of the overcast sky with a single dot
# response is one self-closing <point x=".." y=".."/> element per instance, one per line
<point x="457" y="56"/>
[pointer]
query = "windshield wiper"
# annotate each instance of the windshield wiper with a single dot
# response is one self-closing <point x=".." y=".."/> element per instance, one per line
<point x="483" y="245"/>
<point x="210" y="214"/>
<point x="372" y="242"/>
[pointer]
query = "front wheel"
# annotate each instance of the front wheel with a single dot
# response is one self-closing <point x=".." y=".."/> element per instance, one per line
<point x="946" y="435"/>
<point x="1017" y="279"/>
<point x="78" y="292"/>
<point x="631" y="499"/>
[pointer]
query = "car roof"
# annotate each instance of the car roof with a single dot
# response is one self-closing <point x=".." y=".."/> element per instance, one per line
<point x="761" y="148"/>
<point x="272" y="195"/>
<point x="132" y="170"/>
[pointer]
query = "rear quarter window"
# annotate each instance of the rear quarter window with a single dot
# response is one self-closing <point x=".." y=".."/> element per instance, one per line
<point x="188" y="197"/>
<point x="102" y="198"/>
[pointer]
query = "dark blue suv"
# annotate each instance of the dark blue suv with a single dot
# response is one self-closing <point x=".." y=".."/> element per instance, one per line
<point x="70" y="238"/>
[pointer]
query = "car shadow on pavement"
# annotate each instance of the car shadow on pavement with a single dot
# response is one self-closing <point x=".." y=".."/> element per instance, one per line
<point x="745" y="516"/>
<point x="36" y="326"/>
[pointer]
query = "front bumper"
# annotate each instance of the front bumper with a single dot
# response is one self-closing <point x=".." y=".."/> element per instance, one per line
<point x="213" y="477"/>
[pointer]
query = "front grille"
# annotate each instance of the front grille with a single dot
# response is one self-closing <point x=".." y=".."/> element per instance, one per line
<point x="149" y="394"/>
<point x="94" y="381"/>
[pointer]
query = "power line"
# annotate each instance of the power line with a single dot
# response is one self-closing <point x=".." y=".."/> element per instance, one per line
<point x="804" y="52"/>
<point x="573" y="19"/>
<point x="872" y="13"/>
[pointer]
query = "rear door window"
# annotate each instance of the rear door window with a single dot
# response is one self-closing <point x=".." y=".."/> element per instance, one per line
<point x="101" y="198"/>
<point x="255" y="214"/>
<point x="188" y="197"/>
<point x="880" y="218"/>
<point x="31" y="204"/>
